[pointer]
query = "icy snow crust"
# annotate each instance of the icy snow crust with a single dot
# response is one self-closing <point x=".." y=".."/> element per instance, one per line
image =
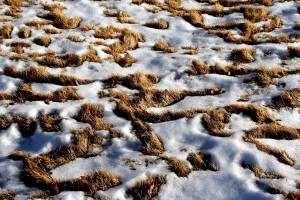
<point x="121" y="155"/>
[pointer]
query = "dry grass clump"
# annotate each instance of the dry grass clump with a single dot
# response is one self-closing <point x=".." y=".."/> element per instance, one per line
<point x="275" y="22"/>
<point x="287" y="99"/>
<point x="230" y="3"/>
<point x="138" y="80"/>
<point x="38" y="23"/>
<point x="294" y="51"/>
<point x="16" y="3"/>
<point x="254" y="111"/>
<point x="258" y="172"/>
<point x="191" y="50"/>
<point x="164" y="46"/>
<point x="281" y="38"/>
<point x="263" y="2"/>
<point x="50" y="123"/>
<point x="146" y="189"/>
<point x="255" y="14"/>
<point x="214" y="121"/>
<point x="195" y="18"/>
<point x="101" y="180"/>
<point x="4" y="123"/>
<point x="275" y="131"/>
<point x="7" y="195"/>
<point x="88" y="112"/>
<point x="264" y="77"/>
<point x="75" y="38"/>
<point x="13" y="12"/>
<point x="24" y="33"/>
<point x="125" y="61"/>
<point x="244" y="55"/>
<point x="25" y="93"/>
<point x="106" y="33"/>
<point x="115" y="13"/>
<point x="160" y="24"/>
<point x="60" y="20"/>
<point x="200" y="68"/>
<point x="53" y="31"/>
<point x="26" y="125"/>
<point x="40" y="75"/>
<point x="42" y="41"/>
<point x="201" y="161"/>
<point x="6" y="30"/>
<point x="281" y="156"/>
<point x="178" y="167"/>
<point x="87" y="27"/>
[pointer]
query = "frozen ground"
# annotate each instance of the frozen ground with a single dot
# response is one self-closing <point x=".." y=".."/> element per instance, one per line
<point x="231" y="169"/>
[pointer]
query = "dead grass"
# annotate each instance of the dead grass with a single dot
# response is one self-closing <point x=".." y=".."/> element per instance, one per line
<point x="42" y="41"/>
<point x="275" y="22"/>
<point x="7" y="195"/>
<point x="75" y="38"/>
<point x="106" y="33"/>
<point x="178" y="167"/>
<point x="26" y="125"/>
<point x="287" y="99"/>
<point x="4" y="122"/>
<point x="125" y="61"/>
<point x="146" y="189"/>
<point x="195" y="18"/>
<point x="87" y="27"/>
<point x="255" y="14"/>
<point x="24" y="33"/>
<point x="294" y="51"/>
<point x="263" y="2"/>
<point x="16" y="3"/>
<point x="160" y="24"/>
<point x="164" y="46"/>
<point x="13" y="12"/>
<point x="214" y="121"/>
<point x="244" y="55"/>
<point x="201" y="161"/>
<point x="6" y="30"/>
<point x="281" y="156"/>
<point x="254" y="111"/>
<point x="274" y="131"/>
<point x="264" y="77"/>
<point x="88" y="112"/>
<point x="281" y="38"/>
<point x="38" y="23"/>
<point x="40" y="75"/>
<point x="258" y="172"/>
<point x="191" y="50"/>
<point x="60" y="20"/>
<point x="53" y="31"/>
<point x="50" y="123"/>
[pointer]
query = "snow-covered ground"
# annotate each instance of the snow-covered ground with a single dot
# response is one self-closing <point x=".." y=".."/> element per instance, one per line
<point x="180" y="136"/>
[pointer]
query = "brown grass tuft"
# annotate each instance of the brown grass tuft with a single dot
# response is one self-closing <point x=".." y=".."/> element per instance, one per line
<point x="255" y="14"/>
<point x="7" y="195"/>
<point x="37" y="23"/>
<point x="258" y="172"/>
<point x="60" y="20"/>
<point x="146" y="189"/>
<point x="201" y="161"/>
<point x="16" y="3"/>
<point x="4" y="123"/>
<point x="275" y="22"/>
<point x="40" y="75"/>
<point x="6" y="30"/>
<point x="254" y="111"/>
<point x="274" y="131"/>
<point x="26" y="125"/>
<point x="195" y="18"/>
<point x="287" y="99"/>
<point x="101" y="180"/>
<point x="42" y="41"/>
<point x="263" y="2"/>
<point x="18" y="155"/>
<point x="294" y="51"/>
<point x="53" y="31"/>
<point x="13" y="12"/>
<point x="75" y="38"/>
<point x="163" y="45"/>
<point x="160" y="24"/>
<point x="245" y="55"/>
<point x="24" y="33"/>
<point x="106" y="33"/>
<point x="177" y="166"/>
<point x="214" y="121"/>
<point x="125" y="61"/>
<point x="65" y="94"/>
<point x="281" y="156"/>
<point x="50" y="123"/>
<point x="264" y="76"/>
